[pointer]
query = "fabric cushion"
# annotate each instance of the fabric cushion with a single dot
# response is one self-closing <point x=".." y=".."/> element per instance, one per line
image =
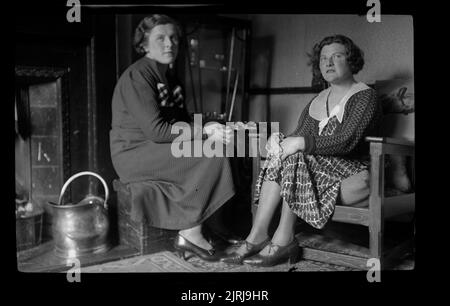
<point x="355" y="188"/>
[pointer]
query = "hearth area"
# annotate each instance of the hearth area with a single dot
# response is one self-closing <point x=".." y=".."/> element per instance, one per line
<point x="62" y="121"/>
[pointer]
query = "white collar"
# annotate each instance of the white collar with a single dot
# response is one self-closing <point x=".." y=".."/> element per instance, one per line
<point x="317" y="108"/>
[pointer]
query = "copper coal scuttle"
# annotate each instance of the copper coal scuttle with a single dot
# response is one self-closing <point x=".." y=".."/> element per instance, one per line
<point x="81" y="228"/>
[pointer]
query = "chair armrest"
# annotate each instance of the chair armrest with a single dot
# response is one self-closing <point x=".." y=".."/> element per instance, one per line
<point x="380" y="147"/>
<point x="390" y="140"/>
<point x="387" y="145"/>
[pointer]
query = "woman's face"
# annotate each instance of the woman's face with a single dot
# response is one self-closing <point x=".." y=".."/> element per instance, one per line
<point x="333" y="63"/>
<point x="162" y="44"/>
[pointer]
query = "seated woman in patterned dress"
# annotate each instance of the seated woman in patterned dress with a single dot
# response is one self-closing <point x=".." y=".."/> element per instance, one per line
<point x="177" y="193"/>
<point x="307" y="168"/>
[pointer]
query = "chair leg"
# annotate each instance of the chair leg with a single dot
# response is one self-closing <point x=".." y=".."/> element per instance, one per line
<point x="376" y="223"/>
<point x="376" y="242"/>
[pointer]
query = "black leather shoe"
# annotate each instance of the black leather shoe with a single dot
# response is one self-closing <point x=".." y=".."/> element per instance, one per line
<point x="277" y="254"/>
<point x="250" y="249"/>
<point x="227" y="237"/>
<point x="182" y="245"/>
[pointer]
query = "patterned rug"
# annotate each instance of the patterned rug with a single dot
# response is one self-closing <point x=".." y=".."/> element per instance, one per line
<point x="169" y="262"/>
<point x="330" y="239"/>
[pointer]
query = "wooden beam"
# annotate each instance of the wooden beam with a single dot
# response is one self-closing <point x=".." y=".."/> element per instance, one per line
<point x="390" y="256"/>
<point x="379" y="145"/>
<point x="390" y="140"/>
<point x="283" y="90"/>
<point x="352" y="215"/>
<point x="376" y="217"/>
<point x="286" y="90"/>
<point x="335" y="258"/>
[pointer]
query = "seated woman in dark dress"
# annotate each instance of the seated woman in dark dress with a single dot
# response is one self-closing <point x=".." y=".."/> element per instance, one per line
<point x="170" y="192"/>
<point x="306" y="169"/>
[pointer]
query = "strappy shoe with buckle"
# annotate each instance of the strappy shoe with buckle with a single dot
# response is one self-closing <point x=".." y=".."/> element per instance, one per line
<point x="276" y="254"/>
<point x="250" y="249"/>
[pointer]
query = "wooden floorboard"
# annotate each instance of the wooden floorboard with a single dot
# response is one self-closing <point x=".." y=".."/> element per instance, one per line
<point x="334" y="258"/>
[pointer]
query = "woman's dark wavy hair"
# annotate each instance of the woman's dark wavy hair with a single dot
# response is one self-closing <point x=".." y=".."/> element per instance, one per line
<point x="355" y="57"/>
<point x="145" y="26"/>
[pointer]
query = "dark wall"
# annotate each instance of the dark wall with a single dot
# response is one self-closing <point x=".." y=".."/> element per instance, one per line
<point x="105" y="76"/>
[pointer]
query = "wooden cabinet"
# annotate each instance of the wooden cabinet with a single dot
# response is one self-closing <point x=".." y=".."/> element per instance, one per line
<point x="214" y="63"/>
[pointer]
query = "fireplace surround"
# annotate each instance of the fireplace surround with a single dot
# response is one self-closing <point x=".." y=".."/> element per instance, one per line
<point x="64" y="76"/>
<point x="42" y="154"/>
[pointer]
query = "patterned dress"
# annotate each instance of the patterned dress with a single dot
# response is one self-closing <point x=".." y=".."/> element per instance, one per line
<point x="310" y="180"/>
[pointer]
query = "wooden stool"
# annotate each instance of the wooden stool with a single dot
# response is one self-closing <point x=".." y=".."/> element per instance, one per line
<point x="140" y="235"/>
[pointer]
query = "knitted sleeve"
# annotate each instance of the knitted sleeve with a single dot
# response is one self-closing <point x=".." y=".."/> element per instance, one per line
<point x="361" y="112"/>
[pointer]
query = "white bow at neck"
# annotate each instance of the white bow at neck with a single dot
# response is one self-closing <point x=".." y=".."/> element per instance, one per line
<point x="317" y="108"/>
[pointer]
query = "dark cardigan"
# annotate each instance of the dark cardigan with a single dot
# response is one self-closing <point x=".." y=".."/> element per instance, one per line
<point x="170" y="192"/>
<point x="361" y="118"/>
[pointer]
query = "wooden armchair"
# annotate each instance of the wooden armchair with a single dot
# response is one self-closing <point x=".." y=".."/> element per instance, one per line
<point x="371" y="213"/>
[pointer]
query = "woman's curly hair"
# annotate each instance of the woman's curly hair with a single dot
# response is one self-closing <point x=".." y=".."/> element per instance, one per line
<point x="145" y="26"/>
<point x="355" y="57"/>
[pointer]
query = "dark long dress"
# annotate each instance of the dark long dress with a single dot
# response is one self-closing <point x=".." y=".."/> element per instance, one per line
<point x="170" y="192"/>
<point x="310" y="180"/>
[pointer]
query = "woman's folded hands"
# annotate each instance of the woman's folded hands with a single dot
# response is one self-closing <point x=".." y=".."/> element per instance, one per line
<point x="218" y="132"/>
<point x="281" y="146"/>
<point x="273" y="146"/>
<point x="291" y="145"/>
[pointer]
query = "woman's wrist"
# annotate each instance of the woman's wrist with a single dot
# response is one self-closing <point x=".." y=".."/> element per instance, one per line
<point x="300" y="143"/>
